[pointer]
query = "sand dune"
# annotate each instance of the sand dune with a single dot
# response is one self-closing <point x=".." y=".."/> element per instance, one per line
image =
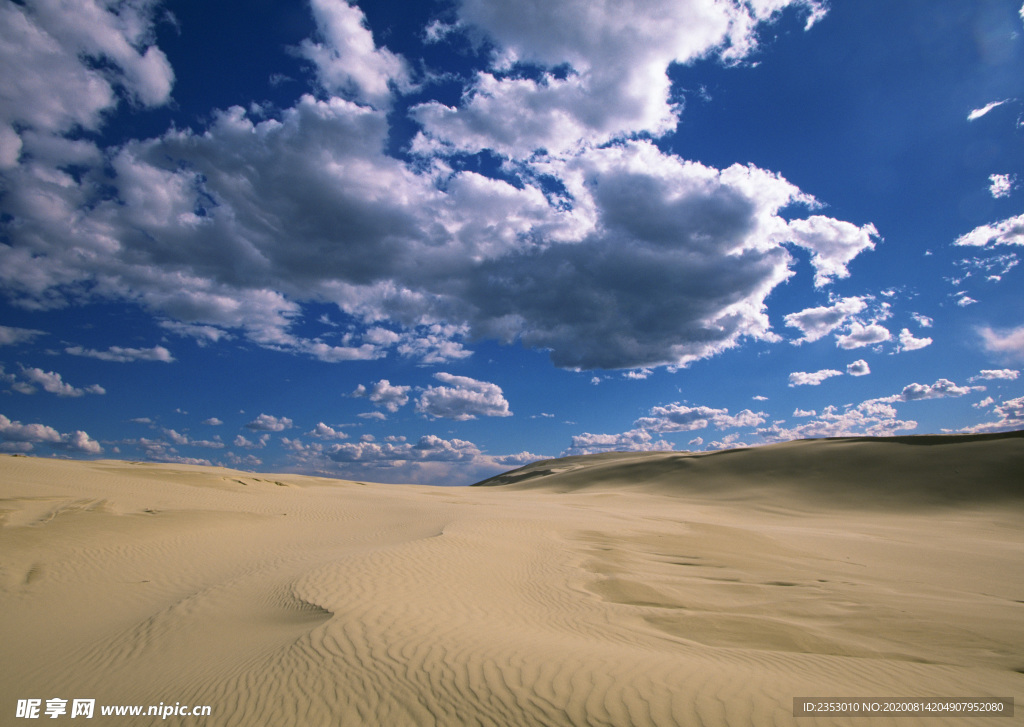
<point x="628" y="589"/>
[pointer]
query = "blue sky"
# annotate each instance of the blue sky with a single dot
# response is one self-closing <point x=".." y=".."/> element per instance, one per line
<point x="428" y="242"/>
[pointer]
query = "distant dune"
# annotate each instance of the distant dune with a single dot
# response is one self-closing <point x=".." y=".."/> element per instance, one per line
<point x="618" y="589"/>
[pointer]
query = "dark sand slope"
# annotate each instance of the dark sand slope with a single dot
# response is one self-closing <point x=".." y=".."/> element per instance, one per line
<point x="629" y="589"/>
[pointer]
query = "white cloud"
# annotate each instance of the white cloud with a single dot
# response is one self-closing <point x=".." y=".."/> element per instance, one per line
<point x="858" y="368"/>
<point x="860" y="335"/>
<point x="804" y="413"/>
<point x="818" y="322"/>
<point x="802" y="378"/>
<point x="923" y="320"/>
<point x="1009" y="416"/>
<point x="1006" y="232"/>
<point x="1000" y="185"/>
<point x="868" y="418"/>
<point x="23" y="437"/>
<point x="348" y="62"/>
<point x="635" y="440"/>
<point x="212" y="422"/>
<point x="260" y="443"/>
<point x="909" y="343"/>
<point x="62" y="62"/>
<point x="428" y="448"/>
<point x="677" y="417"/>
<point x="121" y="354"/>
<point x="642" y="260"/>
<point x="323" y="431"/>
<point x="979" y="112"/>
<point x="833" y="244"/>
<point x="463" y="398"/>
<point x="1009" y="343"/>
<point x="53" y="383"/>
<point x="268" y="423"/>
<point x="941" y="389"/>
<point x="618" y="53"/>
<point x="11" y="335"/>
<point x="995" y="374"/>
<point x="518" y="460"/>
<point x="384" y="394"/>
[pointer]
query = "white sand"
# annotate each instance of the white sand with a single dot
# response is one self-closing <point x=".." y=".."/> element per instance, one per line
<point x="616" y="590"/>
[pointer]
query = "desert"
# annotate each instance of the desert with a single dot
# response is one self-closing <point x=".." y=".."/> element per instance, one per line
<point x="619" y="589"/>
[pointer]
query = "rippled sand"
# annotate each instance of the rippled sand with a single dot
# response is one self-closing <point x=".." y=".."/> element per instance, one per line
<point x="610" y="590"/>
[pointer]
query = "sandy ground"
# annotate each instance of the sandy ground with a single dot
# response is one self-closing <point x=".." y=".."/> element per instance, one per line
<point x="612" y="590"/>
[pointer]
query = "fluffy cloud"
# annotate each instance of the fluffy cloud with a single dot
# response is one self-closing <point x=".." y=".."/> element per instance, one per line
<point x="617" y="55"/>
<point x="818" y="322"/>
<point x="677" y="417"/>
<point x="52" y="382"/>
<point x="635" y="440"/>
<point x="1000" y="185"/>
<point x="979" y="112"/>
<point x="861" y="335"/>
<point x="616" y="257"/>
<point x="347" y="61"/>
<point x="858" y="368"/>
<point x="120" y="354"/>
<point x="428" y="448"/>
<point x="63" y="63"/>
<point x="384" y="394"/>
<point x="871" y="418"/>
<point x="323" y="431"/>
<point x="941" y="389"/>
<point x="802" y="378"/>
<point x="1007" y="232"/>
<point x="20" y="437"/>
<point x="909" y="343"/>
<point x="268" y="423"/>
<point x="833" y="244"/>
<point x="462" y="398"/>
<point x="1009" y="416"/>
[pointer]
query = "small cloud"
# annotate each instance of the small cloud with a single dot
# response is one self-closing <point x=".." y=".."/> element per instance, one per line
<point x="212" y="422"/>
<point x="909" y="343"/>
<point x="1000" y="185"/>
<point x="267" y="423"/>
<point x="384" y="394"/>
<point x="923" y="320"/>
<point x="941" y="389"/>
<point x="858" y="368"/>
<point x="992" y="374"/>
<point x="804" y="413"/>
<point x="978" y="113"/>
<point x="52" y="383"/>
<point x="122" y="355"/>
<point x="986" y="402"/>
<point x="462" y="398"/>
<point x="759" y="398"/>
<point x="325" y="432"/>
<point x="861" y="335"/>
<point x="803" y="378"/>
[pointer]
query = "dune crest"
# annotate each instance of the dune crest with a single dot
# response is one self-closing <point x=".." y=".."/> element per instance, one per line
<point x="626" y="589"/>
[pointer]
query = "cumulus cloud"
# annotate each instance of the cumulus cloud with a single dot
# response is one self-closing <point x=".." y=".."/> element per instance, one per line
<point x="635" y="440"/>
<point x="636" y="259"/>
<point x="1009" y="343"/>
<point x="1006" y="232"/>
<point x="1000" y="185"/>
<point x="858" y="368"/>
<point x="617" y="55"/>
<point x="871" y="418"/>
<point x="861" y="335"/>
<point x="941" y="389"/>
<point x="384" y="394"/>
<point x="64" y="65"/>
<point x="268" y="423"/>
<point x="818" y="322"/>
<point x="677" y="417"/>
<point x="832" y="243"/>
<point x="347" y="61"/>
<point x="52" y="383"/>
<point x="909" y="343"/>
<point x="1009" y="416"/>
<point x="323" y="431"/>
<point x="461" y="398"/>
<point x="803" y="378"/>
<point x="212" y="422"/>
<point x="121" y="354"/>
<point x="429" y="448"/>
<point x="20" y="437"/>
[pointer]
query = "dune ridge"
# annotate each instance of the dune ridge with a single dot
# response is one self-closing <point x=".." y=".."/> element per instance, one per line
<point x="621" y="589"/>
